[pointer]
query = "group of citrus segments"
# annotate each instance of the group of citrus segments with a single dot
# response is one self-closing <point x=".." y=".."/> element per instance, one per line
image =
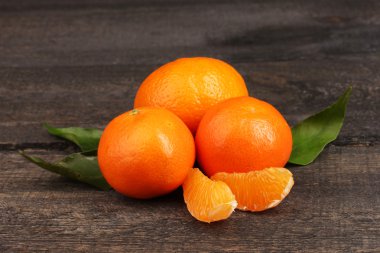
<point x="198" y="109"/>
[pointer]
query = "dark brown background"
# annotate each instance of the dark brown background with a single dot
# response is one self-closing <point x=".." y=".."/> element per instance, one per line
<point x="79" y="63"/>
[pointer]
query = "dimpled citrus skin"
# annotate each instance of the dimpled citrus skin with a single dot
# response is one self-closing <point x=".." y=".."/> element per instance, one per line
<point x="242" y="134"/>
<point x="146" y="152"/>
<point x="189" y="86"/>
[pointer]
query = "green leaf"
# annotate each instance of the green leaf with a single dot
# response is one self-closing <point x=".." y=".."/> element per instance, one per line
<point x="87" y="139"/>
<point x="75" y="166"/>
<point x="314" y="133"/>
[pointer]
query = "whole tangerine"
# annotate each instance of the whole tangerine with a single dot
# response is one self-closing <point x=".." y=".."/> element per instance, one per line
<point x="189" y="86"/>
<point x="146" y="152"/>
<point x="241" y="135"/>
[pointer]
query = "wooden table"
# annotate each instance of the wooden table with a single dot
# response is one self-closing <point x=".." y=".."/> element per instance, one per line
<point x="79" y="63"/>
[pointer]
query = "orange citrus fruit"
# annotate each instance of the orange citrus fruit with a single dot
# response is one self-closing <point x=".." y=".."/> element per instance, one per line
<point x="207" y="200"/>
<point x="242" y="134"/>
<point x="146" y="152"/>
<point x="189" y="86"/>
<point x="258" y="190"/>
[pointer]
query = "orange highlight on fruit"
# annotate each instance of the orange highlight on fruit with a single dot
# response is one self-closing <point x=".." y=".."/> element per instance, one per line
<point x="258" y="190"/>
<point x="146" y="152"/>
<point x="190" y="86"/>
<point x="241" y="135"/>
<point x="207" y="200"/>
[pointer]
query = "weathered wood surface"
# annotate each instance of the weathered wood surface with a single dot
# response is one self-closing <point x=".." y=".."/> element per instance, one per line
<point x="80" y="63"/>
<point x="334" y="206"/>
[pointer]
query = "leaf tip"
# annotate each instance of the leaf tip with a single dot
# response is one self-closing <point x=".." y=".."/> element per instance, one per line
<point x="348" y="92"/>
<point x="47" y="126"/>
<point x="23" y="154"/>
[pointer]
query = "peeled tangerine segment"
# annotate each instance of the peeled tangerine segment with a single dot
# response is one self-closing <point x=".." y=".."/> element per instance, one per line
<point x="207" y="200"/>
<point x="258" y="190"/>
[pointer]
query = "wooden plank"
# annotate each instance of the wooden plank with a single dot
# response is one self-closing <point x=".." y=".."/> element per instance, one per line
<point x="71" y="63"/>
<point x="80" y="63"/>
<point x="91" y="96"/>
<point x="45" y="33"/>
<point x="333" y="207"/>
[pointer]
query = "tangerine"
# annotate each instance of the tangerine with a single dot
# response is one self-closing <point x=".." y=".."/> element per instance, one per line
<point x="242" y="134"/>
<point x="189" y="86"/>
<point x="146" y="152"/>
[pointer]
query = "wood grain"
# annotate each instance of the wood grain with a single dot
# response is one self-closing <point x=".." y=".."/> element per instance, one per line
<point x="58" y="57"/>
<point x="75" y="96"/>
<point x="333" y="207"/>
<point x="79" y="63"/>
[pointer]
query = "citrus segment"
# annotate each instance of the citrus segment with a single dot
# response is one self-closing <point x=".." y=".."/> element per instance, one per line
<point x="207" y="200"/>
<point x="258" y="190"/>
